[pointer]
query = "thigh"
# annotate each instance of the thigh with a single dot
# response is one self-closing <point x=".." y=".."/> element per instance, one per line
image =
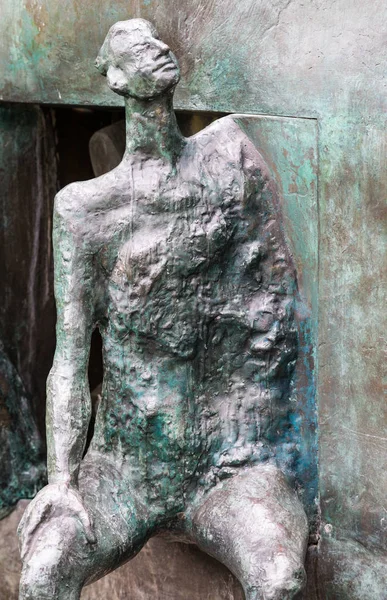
<point x="120" y="519"/>
<point x="60" y="560"/>
<point x="60" y="550"/>
<point x="254" y="524"/>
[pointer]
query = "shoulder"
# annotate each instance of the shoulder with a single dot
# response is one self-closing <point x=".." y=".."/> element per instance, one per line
<point x="67" y="200"/>
<point x="228" y="137"/>
<point x="74" y="208"/>
<point x="83" y="202"/>
<point x="222" y="135"/>
<point x="81" y="198"/>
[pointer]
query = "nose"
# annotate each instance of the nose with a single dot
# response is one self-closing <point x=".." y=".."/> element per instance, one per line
<point x="164" y="48"/>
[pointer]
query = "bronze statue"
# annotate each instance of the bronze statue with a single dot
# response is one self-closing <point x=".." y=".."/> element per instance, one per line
<point x="177" y="256"/>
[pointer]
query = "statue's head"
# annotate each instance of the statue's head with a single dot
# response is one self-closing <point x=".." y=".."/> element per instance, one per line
<point x="136" y="62"/>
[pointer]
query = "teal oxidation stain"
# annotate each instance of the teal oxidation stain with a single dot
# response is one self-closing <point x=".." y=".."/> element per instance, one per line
<point x="295" y="61"/>
<point x="180" y="257"/>
<point x="30" y="49"/>
<point x="289" y="147"/>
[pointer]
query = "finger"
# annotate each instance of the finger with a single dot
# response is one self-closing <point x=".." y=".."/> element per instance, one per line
<point x="84" y="517"/>
<point x="87" y="526"/>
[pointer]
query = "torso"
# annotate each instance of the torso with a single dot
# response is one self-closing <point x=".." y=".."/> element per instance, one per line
<point x="174" y="313"/>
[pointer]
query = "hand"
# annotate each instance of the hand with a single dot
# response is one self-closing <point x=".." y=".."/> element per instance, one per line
<point x="56" y="499"/>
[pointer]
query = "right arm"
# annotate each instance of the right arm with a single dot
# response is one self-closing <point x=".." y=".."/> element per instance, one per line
<point x="68" y="396"/>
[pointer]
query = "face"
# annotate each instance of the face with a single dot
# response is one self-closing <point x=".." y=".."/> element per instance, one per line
<point x="140" y="64"/>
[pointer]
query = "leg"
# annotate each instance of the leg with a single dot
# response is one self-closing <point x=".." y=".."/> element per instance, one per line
<point x="61" y="561"/>
<point x="255" y="525"/>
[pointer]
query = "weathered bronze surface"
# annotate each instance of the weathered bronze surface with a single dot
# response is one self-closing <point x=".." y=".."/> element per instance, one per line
<point x="22" y="471"/>
<point x="163" y="569"/>
<point x="178" y="256"/>
<point x="322" y="59"/>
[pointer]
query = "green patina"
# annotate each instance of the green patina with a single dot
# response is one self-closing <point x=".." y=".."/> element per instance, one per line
<point x="295" y="60"/>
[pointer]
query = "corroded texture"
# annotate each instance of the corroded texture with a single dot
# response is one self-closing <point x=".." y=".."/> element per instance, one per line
<point x="251" y="57"/>
<point x="348" y="569"/>
<point x="322" y="59"/>
<point x="164" y="570"/>
<point x="289" y="148"/>
<point x="178" y="256"/>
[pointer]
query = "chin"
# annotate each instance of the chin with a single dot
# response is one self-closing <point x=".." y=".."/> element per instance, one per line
<point x="164" y="83"/>
<point x="170" y="79"/>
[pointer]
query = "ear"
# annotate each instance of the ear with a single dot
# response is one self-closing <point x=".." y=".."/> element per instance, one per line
<point x="116" y="80"/>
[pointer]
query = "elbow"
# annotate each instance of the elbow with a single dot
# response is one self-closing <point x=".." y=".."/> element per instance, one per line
<point x="66" y="379"/>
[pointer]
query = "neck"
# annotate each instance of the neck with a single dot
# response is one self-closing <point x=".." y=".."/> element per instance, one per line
<point x="151" y="128"/>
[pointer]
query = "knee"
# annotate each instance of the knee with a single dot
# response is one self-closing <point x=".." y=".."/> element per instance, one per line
<point x="278" y="580"/>
<point x="286" y="579"/>
<point x="39" y="576"/>
<point x="43" y="579"/>
<point x="47" y="569"/>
